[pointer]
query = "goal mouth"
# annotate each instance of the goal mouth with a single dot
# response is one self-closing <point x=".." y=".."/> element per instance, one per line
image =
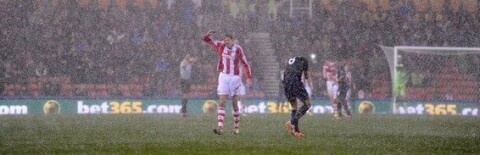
<point x="421" y="73"/>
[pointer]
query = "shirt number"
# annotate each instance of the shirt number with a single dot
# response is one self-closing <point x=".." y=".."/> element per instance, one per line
<point x="291" y="61"/>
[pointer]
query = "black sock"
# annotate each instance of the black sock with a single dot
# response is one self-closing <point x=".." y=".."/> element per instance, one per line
<point x="339" y="107"/>
<point x="304" y="109"/>
<point x="297" y="129"/>
<point x="294" y="119"/>
<point x="184" y="105"/>
<point x="292" y="115"/>
<point x="301" y="112"/>
<point x="347" y="109"/>
<point x="299" y="115"/>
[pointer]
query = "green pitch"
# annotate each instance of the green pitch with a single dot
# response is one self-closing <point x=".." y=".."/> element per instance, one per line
<point x="260" y="134"/>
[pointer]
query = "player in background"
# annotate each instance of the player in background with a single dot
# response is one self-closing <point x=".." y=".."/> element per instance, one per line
<point x="295" y="89"/>
<point x="344" y="78"/>
<point x="348" y="72"/>
<point x="185" y="80"/>
<point x="242" y="92"/>
<point x="330" y="75"/>
<point x="230" y="57"/>
<point x="308" y="84"/>
<point x="281" y="93"/>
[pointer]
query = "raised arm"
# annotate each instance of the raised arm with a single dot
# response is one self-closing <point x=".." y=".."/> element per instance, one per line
<point x="207" y="38"/>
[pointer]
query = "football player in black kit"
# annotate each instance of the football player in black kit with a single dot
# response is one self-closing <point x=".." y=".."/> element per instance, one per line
<point x="344" y="85"/>
<point x="294" y="89"/>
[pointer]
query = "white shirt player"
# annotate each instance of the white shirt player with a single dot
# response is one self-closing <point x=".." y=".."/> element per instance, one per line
<point x="308" y="85"/>
<point x="330" y="74"/>
<point x="330" y="71"/>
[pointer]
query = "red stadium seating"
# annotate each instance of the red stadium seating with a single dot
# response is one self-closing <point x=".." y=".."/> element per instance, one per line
<point x="19" y="89"/>
<point x="91" y="90"/>
<point x="33" y="89"/>
<point x="66" y="90"/>
<point x="101" y="90"/>
<point x="112" y="89"/>
<point x="10" y="89"/>
<point x="79" y="89"/>
<point x="65" y="79"/>
<point x="136" y="90"/>
<point x="125" y="90"/>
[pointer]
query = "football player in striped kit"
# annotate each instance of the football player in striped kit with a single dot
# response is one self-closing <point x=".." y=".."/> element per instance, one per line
<point x="330" y="75"/>
<point x="230" y="57"/>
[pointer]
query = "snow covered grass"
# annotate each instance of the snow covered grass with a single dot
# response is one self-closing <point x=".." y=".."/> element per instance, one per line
<point x="260" y="134"/>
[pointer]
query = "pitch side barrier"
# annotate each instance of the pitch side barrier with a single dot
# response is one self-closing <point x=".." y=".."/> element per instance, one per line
<point x="85" y="106"/>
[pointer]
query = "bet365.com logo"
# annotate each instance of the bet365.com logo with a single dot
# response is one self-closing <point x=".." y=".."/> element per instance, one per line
<point x="51" y="107"/>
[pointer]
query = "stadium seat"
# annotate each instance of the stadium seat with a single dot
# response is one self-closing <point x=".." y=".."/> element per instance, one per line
<point x="65" y="79"/>
<point x="134" y="80"/>
<point x="136" y="90"/>
<point x="66" y="90"/>
<point x="10" y="89"/>
<point x="33" y="89"/>
<point x="79" y="89"/>
<point x="42" y="79"/>
<point x="124" y="90"/>
<point x="465" y="97"/>
<point x="379" y="94"/>
<point x="19" y="89"/>
<point x="416" y="93"/>
<point x="112" y="90"/>
<point x="430" y="93"/>
<point x="199" y="94"/>
<point x="101" y="90"/>
<point x="104" y="4"/>
<point x="84" y="3"/>
<point x="145" y="81"/>
<point x="32" y="80"/>
<point x="122" y="3"/>
<point x="139" y="3"/>
<point x="91" y="91"/>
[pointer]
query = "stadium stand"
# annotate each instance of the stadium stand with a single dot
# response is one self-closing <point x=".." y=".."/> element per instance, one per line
<point x="132" y="48"/>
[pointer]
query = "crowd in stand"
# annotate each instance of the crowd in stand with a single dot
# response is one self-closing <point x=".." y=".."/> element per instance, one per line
<point x="95" y="43"/>
<point x="356" y="34"/>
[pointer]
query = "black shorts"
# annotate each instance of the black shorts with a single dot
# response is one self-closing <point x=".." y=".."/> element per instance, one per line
<point x="185" y="86"/>
<point x="294" y="89"/>
<point x="342" y="91"/>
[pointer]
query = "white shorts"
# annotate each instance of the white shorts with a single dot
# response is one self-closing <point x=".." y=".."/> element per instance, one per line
<point x="332" y="88"/>
<point x="229" y="85"/>
<point x="349" y="94"/>
<point x="242" y="91"/>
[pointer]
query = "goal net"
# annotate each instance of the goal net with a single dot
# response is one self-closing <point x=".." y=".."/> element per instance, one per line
<point x="433" y="73"/>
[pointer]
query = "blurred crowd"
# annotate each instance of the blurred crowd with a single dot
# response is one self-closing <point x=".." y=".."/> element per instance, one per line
<point x="353" y="33"/>
<point x="142" y="42"/>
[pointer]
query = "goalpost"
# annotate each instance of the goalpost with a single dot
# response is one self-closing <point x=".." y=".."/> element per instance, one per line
<point x="422" y="60"/>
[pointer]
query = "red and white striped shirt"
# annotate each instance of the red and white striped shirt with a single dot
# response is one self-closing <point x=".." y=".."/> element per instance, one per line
<point x="229" y="58"/>
<point x="330" y="71"/>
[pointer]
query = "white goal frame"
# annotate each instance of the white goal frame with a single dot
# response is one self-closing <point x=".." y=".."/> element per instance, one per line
<point x="422" y="50"/>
